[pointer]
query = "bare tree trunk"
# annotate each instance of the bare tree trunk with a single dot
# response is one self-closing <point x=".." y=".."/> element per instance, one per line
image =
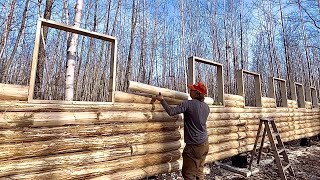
<point x="42" y="53"/>
<point x="102" y="81"/>
<point x="241" y="36"/>
<point x="234" y="47"/>
<point x="71" y="56"/>
<point x="305" y="42"/>
<point x="142" y="64"/>
<point x="285" y="44"/>
<point x="8" y="63"/>
<point x="226" y="48"/>
<point x="133" y="29"/>
<point x="182" y="47"/>
<point x="4" y="38"/>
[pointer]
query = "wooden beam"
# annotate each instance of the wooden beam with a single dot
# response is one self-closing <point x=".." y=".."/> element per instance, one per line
<point x="271" y="89"/>
<point x="34" y="61"/>
<point x="314" y="97"/>
<point x="113" y="71"/>
<point x="257" y="86"/>
<point x="301" y="98"/>
<point x="239" y="78"/>
<point x="68" y="28"/>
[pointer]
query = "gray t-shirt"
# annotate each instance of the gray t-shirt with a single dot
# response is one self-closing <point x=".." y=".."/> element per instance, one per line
<point x="195" y="117"/>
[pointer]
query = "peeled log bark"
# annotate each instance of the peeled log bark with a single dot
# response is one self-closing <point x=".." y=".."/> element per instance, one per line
<point x="51" y="119"/>
<point x="43" y="134"/>
<point x="75" y="106"/>
<point x="222" y="155"/>
<point x="107" y="167"/>
<point x="13" y="92"/>
<point x="233" y="97"/>
<point x="225" y="130"/>
<point x="141" y="173"/>
<point x="133" y="98"/>
<point x="42" y="148"/>
<point x="136" y="86"/>
<point x="81" y="158"/>
<point x="225" y="123"/>
<point x="140" y="149"/>
<point x="226" y="137"/>
<point x="215" y="148"/>
<point x="231" y="103"/>
<point x="223" y="116"/>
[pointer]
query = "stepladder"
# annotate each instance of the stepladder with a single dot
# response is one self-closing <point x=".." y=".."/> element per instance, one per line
<point x="267" y="127"/>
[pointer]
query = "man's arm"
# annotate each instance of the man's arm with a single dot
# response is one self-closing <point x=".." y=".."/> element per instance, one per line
<point x="181" y="108"/>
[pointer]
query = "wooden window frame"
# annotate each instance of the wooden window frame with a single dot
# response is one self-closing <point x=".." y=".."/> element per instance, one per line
<point x="191" y="78"/>
<point x="52" y="24"/>
<point x="257" y="87"/>
<point x="294" y="95"/>
<point x="283" y="89"/>
<point x="314" y="97"/>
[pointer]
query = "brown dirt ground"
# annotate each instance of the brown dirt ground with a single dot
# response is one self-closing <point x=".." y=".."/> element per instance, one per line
<point x="305" y="161"/>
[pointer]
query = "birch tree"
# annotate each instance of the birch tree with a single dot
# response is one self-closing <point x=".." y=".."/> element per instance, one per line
<point x="71" y="55"/>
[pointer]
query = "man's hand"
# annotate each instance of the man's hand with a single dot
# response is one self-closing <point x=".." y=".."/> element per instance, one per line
<point x="159" y="97"/>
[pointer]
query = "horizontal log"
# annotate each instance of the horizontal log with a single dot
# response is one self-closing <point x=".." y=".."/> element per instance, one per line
<point x="133" y="98"/>
<point x="225" y="130"/>
<point x="140" y="149"/>
<point x="108" y="167"/>
<point x="231" y="103"/>
<point x="136" y="86"/>
<point x="46" y="106"/>
<point x="225" y="123"/>
<point x="42" y="148"/>
<point x="224" y="146"/>
<point x="140" y="173"/>
<point x="233" y="97"/>
<point x="13" y="92"/>
<point x="214" y="139"/>
<point x="42" y="134"/>
<point x="222" y="155"/>
<point x="51" y="119"/>
<point x="267" y="100"/>
<point x="223" y="116"/>
<point x="49" y="163"/>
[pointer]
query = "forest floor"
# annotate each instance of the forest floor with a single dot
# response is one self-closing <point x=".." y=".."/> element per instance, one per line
<point x="305" y="162"/>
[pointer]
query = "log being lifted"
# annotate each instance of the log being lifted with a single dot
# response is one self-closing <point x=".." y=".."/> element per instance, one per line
<point x="136" y="86"/>
<point x="13" y="92"/>
<point x="134" y="98"/>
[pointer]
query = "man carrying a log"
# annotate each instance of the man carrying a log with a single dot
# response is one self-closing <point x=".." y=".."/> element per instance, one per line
<point x="195" y="113"/>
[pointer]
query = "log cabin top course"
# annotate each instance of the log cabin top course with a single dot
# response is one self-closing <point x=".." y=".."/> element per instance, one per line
<point x="131" y="136"/>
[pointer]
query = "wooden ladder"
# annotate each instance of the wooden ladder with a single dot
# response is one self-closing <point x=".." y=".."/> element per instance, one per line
<point x="277" y="149"/>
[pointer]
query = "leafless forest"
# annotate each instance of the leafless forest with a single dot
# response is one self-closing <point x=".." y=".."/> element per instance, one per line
<point x="279" y="38"/>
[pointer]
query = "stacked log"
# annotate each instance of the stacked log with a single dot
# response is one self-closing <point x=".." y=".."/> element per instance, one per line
<point x="70" y="145"/>
<point x="231" y="100"/>
<point x="268" y="102"/>
<point x="129" y="140"/>
<point x="308" y="105"/>
<point x="292" y="104"/>
<point x="10" y="92"/>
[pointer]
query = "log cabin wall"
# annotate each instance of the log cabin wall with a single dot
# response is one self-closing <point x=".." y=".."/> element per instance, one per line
<point x="128" y="140"/>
